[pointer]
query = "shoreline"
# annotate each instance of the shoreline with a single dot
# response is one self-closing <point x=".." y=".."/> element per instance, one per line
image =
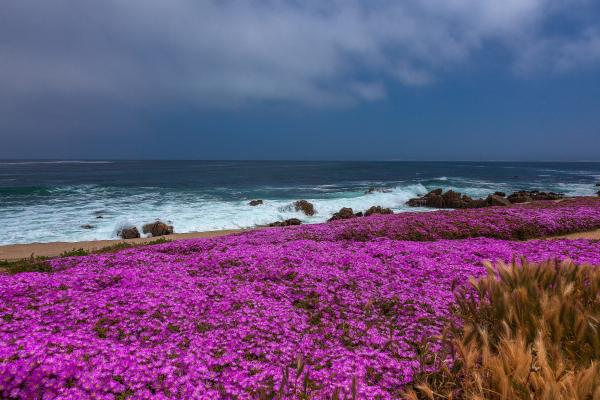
<point x="13" y="252"/>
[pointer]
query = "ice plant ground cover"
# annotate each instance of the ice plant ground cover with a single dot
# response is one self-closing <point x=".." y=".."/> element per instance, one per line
<point x="331" y="309"/>
<point x="519" y="222"/>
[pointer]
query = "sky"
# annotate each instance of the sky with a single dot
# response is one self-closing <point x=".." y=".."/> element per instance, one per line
<point x="300" y="79"/>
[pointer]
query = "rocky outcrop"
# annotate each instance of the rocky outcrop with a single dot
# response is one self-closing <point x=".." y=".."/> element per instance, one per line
<point x="378" y="210"/>
<point x="129" y="233"/>
<point x="306" y="207"/>
<point x="157" y="228"/>
<point x="87" y="226"/>
<point x="287" y="222"/>
<point x="344" y="213"/>
<point x="347" y="213"/>
<point x="437" y="199"/>
<point x="254" y="203"/>
<point x="524" y="196"/>
<point x="497" y="200"/>
<point x="451" y="199"/>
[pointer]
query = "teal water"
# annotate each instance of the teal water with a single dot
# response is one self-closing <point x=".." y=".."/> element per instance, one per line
<point x="42" y="201"/>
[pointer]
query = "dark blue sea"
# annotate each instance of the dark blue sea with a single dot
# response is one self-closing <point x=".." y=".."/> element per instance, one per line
<point x="43" y="201"/>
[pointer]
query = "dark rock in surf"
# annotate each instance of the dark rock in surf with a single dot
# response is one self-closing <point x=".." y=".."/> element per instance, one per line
<point x="129" y="233"/>
<point x="437" y="199"/>
<point x="254" y="203"/>
<point x="378" y="210"/>
<point x="451" y="199"/>
<point x="287" y="222"/>
<point x="87" y="226"/>
<point x="306" y="207"/>
<point x="157" y="228"/>
<point x="372" y="190"/>
<point x="344" y="213"/>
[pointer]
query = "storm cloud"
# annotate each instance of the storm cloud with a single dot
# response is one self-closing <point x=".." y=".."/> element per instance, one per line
<point x="224" y="53"/>
<point x="310" y="79"/>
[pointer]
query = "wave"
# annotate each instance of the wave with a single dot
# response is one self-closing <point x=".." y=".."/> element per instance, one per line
<point x="27" y="217"/>
<point x="25" y="191"/>
<point x="62" y="219"/>
<point x="53" y="162"/>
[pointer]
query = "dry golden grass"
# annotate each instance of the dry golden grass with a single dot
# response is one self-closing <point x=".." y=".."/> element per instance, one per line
<point x="529" y="331"/>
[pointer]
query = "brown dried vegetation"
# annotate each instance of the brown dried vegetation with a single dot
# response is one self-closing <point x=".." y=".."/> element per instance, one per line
<point x="529" y="331"/>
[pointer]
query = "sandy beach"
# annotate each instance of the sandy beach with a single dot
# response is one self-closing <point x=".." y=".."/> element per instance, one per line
<point x="594" y="235"/>
<point x="54" y="249"/>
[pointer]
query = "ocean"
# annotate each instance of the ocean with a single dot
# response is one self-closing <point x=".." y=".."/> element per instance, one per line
<point x="46" y="201"/>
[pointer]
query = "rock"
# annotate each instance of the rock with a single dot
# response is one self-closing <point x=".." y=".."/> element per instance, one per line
<point x="344" y="213"/>
<point x="520" y="197"/>
<point x="87" y="226"/>
<point x="598" y="184"/>
<point x="306" y="207"/>
<point x="598" y="193"/>
<point x="434" y="201"/>
<point x="377" y="190"/>
<point x="452" y="199"/>
<point x="255" y="202"/>
<point x="496" y="200"/>
<point x="451" y="195"/>
<point x="287" y="222"/>
<point x="99" y="217"/>
<point x="478" y="203"/>
<point x="378" y="210"/>
<point x="129" y="233"/>
<point x="157" y="228"/>
<point x="417" y="202"/>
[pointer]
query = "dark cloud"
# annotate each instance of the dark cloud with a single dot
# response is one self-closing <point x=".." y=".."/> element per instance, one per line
<point x="71" y="68"/>
<point x="223" y="52"/>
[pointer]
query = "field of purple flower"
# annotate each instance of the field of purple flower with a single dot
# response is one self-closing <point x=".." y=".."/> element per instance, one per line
<point x="519" y="222"/>
<point x="312" y="312"/>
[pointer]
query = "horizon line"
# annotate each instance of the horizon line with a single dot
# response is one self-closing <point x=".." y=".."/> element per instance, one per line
<point x="292" y="160"/>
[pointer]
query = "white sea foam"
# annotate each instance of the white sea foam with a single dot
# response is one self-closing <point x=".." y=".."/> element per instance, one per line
<point x="60" y="217"/>
<point x="61" y="220"/>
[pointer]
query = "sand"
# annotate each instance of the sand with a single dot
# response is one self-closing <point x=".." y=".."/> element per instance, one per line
<point x="595" y="235"/>
<point x="53" y="249"/>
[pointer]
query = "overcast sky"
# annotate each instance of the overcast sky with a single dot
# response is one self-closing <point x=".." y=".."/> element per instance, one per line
<point x="407" y="80"/>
